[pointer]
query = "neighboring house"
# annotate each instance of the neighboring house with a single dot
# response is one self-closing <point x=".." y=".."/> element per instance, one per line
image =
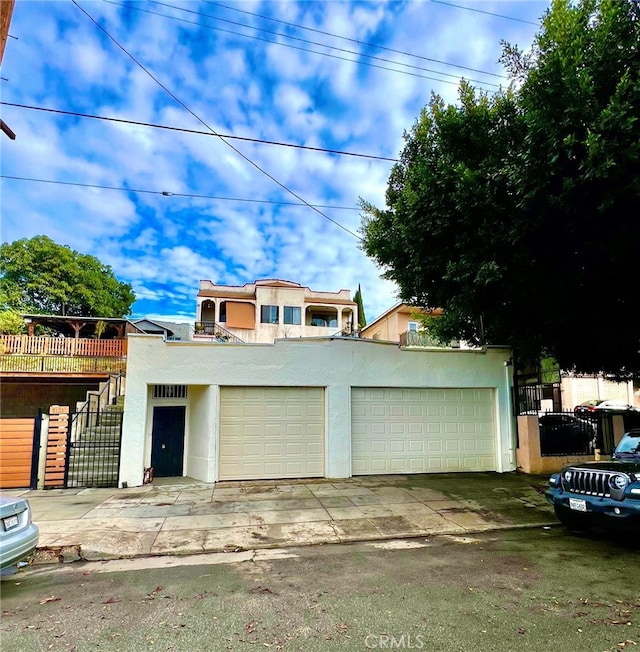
<point x="269" y="309"/>
<point x="313" y="407"/>
<point x="578" y="388"/>
<point x="169" y="330"/>
<point x="401" y="323"/>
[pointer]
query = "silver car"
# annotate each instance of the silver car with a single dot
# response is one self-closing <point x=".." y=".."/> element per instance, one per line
<point x="18" y="534"/>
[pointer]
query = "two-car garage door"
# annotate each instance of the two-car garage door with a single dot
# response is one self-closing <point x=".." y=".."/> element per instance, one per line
<point x="413" y="430"/>
<point x="271" y="432"/>
<point x="279" y="432"/>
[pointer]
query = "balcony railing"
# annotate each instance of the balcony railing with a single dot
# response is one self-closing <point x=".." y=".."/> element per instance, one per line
<point x="51" y="364"/>
<point x="63" y="346"/>
<point x="422" y="338"/>
<point x="214" y="332"/>
<point x="43" y="354"/>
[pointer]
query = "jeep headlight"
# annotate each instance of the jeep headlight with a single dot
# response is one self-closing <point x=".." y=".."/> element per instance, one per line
<point x="618" y="482"/>
<point x="567" y="476"/>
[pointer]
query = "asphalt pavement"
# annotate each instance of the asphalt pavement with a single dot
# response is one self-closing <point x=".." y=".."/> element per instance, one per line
<point x="182" y="516"/>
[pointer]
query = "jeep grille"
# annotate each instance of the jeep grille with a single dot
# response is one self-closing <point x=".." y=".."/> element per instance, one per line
<point x="591" y="483"/>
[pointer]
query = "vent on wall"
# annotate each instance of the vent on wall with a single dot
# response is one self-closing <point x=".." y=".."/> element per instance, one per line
<point x="169" y="391"/>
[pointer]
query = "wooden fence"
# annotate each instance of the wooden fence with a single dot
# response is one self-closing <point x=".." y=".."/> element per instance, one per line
<point x="63" y="346"/>
<point x="16" y="452"/>
<point x="56" y="447"/>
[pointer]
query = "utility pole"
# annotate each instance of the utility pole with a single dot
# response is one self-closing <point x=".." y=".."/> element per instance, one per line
<point x="6" y="12"/>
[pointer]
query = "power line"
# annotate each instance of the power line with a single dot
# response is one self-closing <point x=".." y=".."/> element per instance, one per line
<point x="167" y="193"/>
<point x="295" y="47"/>
<point x="488" y="13"/>
<point x="261" y="141"/>
<point x="324" y="45"/>
<point x="201" y="121"/>
<point x="352" y="40"/>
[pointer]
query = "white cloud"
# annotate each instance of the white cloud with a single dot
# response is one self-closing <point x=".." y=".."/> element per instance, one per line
<point x="164" y="245"/>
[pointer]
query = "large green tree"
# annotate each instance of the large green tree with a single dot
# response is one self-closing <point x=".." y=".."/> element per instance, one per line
<point x="40" y="276"/>
<point x="519" y="213"/>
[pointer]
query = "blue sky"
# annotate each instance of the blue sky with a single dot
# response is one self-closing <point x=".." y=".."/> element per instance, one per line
<point x="346" y="76"/>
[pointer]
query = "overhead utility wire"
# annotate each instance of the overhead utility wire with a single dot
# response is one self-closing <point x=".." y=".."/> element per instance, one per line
<point x="305" y="41"/>
<point x="301" y="49"/>
<point x="488" y="13"/>
<point x="353" y="40"/>
<point x="197" y="132"/>
<point x="201" y="121"/>
<point x="167" y="193"/>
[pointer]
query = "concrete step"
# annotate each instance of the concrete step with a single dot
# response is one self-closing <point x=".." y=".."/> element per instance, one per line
<point x="108" y="420"/>
<point x="92" y="481"/>
<point x="103" y="464"/>
<point x="93" y="460"/>
<point x="96" y="445"/>
<point x="88" y="471"/>
<point x="77" y="475"/>
<point x="97" y="434"/>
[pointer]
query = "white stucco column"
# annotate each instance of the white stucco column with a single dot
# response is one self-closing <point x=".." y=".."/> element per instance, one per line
<point x="338" y="429"/>
<point x="134" y="433"/>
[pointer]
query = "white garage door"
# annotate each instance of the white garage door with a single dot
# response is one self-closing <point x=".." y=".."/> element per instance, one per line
<point x="422" y="430"/>
<point x="271" y="432"/>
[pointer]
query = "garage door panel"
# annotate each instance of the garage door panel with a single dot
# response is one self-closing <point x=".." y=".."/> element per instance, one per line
<point x="396" y="446"/>
<point x="396" y="430"/>
<point x="294" y="411"/>
<point x="271" y="432"/>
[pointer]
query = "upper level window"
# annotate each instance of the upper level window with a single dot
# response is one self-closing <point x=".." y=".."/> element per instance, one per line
<point x="292" y="315"/>
<point x="223" y="311"/>
<point x="269" y="314"/>
<point x="323" y="319"/>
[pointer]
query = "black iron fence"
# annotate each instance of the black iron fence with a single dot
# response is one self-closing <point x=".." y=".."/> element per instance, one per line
<point x="215" y="332"/>
<point x="565" y="433"/>
<point x="562" y="433"/>
<point x="93" y="449"/>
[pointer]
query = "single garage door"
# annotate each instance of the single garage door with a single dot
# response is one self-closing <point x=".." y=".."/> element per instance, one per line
<point x="271" y="432"/>
<point x="406" y="430"/>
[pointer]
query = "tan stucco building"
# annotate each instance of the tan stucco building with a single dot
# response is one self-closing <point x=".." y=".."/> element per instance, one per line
<point x="268" y="309"/>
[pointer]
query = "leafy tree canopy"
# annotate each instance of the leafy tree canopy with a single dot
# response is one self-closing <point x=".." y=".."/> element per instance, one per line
<point x="42" y="277"/>
<point x="518" y="213"/>
<point x="11" y="322"/>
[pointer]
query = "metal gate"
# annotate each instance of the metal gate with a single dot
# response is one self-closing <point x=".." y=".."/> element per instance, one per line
<point x="93" y="449"/>
<point x="529" y="399"/>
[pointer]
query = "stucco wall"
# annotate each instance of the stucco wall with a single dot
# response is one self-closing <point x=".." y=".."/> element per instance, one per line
<point x="576" y="390"/>
<point x="530" y="460"/>
<point x="336" y="365"/>
<point x="199" y="444"/>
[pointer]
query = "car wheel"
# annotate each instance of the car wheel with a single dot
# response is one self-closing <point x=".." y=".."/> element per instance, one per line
<point x="570" y="520"/>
